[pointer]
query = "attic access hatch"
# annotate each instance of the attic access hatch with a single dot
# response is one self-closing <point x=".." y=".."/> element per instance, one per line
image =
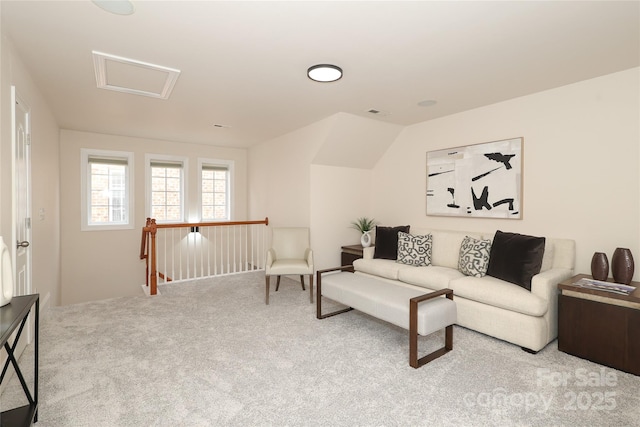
<point x="134" y="77"/>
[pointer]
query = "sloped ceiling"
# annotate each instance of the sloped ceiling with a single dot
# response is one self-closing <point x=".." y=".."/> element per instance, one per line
<point x="355" y="142"/>
<point x="243" y="64"/>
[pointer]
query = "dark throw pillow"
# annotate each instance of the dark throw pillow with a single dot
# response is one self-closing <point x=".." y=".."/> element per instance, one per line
<point x="387" y="241"/>
<point x="515" y="257"/>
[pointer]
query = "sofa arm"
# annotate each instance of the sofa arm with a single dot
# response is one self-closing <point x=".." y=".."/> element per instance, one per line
<point x="545" y="284"/>
<point x="367" y="253"/>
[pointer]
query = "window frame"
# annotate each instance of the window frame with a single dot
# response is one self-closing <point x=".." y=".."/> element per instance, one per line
<point x="229" y="165"/>
<point x="85" y="189"/>
<point x="163" y="158"/>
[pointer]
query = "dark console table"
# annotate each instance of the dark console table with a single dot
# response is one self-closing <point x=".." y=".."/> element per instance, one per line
<point x="600" y="326"/>
<point x="13" y="317"/>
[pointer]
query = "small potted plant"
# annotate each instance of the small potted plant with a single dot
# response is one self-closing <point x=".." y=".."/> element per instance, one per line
<point x="364" y="225"/>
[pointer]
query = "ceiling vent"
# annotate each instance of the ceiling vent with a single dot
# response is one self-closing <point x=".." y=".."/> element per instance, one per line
<point x="378" y="112"/>
<point x="134" y="77"/>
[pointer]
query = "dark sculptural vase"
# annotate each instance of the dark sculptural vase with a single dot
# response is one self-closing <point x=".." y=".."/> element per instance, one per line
<point x="600" y="266"/>
<point x="622" y="266"/>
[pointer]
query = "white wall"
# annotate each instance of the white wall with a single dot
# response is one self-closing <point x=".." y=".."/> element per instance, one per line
<point x="279" y="176"/>
<point x="45" y="185"/>
<point x="300" y="179"/>
<point x="338" y="196"/>
<point x="581" y="162"/>
<point x="105" y="264"/>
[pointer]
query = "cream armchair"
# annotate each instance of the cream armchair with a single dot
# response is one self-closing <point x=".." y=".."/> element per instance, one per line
<point x="290" y="253"/>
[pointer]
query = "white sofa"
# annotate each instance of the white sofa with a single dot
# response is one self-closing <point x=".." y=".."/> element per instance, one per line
<point x="486" y="304"/>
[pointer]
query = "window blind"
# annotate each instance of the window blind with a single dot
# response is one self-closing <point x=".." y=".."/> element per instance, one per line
<point x="215" y="168"/>
<point x="166" y="164"/>
<point x="106" y="160"/>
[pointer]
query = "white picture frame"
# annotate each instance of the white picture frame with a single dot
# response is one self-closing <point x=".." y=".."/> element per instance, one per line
<point x="481" y="180"/>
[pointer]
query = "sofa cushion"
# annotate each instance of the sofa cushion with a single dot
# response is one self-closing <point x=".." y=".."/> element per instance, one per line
<point x="387" y="241"/>
<point x="386" y="268"/>
<point x="498" y="293"/>
<point x="516" y="258"/>
<point x="446" y="247"/>
<point x="432" y="277"/>
<point x="474" y="256"/>
<point x="414" y="250"/>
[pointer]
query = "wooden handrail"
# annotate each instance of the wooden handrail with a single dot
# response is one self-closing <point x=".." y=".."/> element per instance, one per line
<point x="211" y="224"/>
<point x="145" y="230"/>
<point x="148" y="244"/>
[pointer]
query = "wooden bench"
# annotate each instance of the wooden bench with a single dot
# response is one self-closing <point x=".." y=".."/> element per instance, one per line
<point x="405" y="306"/>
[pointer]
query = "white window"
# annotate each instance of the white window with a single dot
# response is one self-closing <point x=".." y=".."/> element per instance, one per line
<point x="215" y="189"/>
<point x="166" y="184"/>
<point x="107" y="195"/>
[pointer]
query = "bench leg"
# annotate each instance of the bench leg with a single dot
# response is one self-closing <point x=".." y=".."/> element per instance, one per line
<point x="319" y="314"/>
<point x="414" y="361"/>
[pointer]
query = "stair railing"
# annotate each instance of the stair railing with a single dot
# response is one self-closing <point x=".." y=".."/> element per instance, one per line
<point x="177" y="252"/>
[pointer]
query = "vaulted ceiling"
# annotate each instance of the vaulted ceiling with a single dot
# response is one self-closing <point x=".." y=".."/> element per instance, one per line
<point x="243" y="64"/>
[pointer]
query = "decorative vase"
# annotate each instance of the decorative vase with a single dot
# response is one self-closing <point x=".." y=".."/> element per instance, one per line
<point x="622" y="266"/>
<point x="599" y="266"/>
<point x="365" y="239"/>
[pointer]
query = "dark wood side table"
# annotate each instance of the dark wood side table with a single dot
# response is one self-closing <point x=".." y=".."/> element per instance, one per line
<point x="600" y="326"/>
<point x="13" y="316"/>
<point x="351" y="253"/>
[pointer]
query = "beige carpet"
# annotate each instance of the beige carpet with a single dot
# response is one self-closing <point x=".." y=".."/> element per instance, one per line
<point x="210" y="353"/>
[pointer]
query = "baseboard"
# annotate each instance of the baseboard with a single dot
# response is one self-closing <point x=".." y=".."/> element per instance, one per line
<point x="44" y="302"/>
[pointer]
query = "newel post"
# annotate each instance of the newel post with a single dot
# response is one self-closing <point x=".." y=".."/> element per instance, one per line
<point x="144" y="249"/>
<point x="153" y="229"/>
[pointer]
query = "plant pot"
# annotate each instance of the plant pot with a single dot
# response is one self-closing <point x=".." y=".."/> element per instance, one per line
<point x="365" y="239"/>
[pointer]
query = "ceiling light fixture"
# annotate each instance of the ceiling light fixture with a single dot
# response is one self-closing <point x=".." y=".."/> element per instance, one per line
<point x="118" y="7"/>
<point x="324" y="73"/>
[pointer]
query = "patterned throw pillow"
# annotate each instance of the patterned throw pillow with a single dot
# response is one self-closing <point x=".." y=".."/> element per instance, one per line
<point x="474" y="256"/>
<point x="414" y="250"/>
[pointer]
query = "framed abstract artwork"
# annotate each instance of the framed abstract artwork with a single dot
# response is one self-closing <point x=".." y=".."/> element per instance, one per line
<point x="480" y="180"/>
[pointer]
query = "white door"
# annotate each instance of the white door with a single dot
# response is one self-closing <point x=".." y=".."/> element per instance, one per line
<point x="21" y="194"/>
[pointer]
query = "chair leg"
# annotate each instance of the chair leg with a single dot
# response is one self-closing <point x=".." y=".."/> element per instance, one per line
<point x="266" y="298"/>
<point x="267" y="283"/>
